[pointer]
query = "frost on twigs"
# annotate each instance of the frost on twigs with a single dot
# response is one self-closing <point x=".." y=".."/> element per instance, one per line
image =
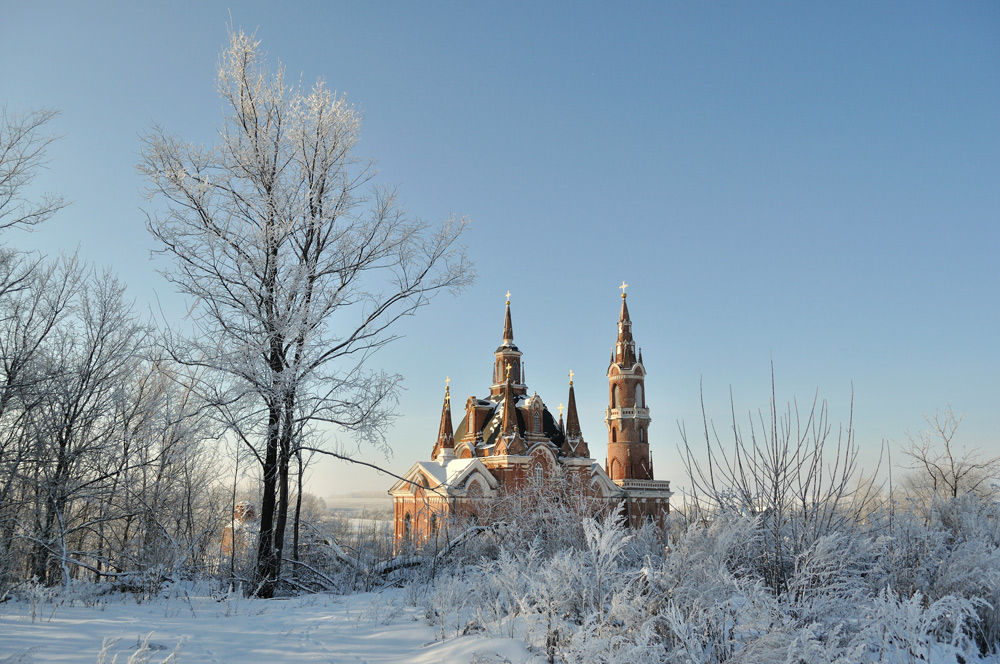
<point x="297" y="265"/>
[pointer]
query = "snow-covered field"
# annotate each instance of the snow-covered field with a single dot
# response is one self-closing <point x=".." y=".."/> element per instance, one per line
<point x="368" y="627"/>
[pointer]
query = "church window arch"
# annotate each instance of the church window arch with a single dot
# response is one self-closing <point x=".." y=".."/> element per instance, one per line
<point x="639" y="403"/>
<point x="539" y="473"/>
<point x="616" y="470"/>
<point x="642" y="435"/>
<point x="434" y="524"/>
<point x="407" y="526"/>
<point x="614" y="435"/>
<point x="537" y="422"/>
<point x="615" y="397"/>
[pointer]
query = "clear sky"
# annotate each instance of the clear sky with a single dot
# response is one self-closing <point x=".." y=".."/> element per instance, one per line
<point x="817" y="183"/>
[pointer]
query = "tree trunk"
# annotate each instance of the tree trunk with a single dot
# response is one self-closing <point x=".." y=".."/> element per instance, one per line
<point x="266" y="570"/>
<point x="298" y="509"/>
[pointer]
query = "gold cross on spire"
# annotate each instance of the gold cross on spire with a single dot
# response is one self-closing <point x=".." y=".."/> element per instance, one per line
<point x="623" y="287"/>
<point x="447" y="379"/>
<point x="560" y="411"/>
<point x="508" y="371"/>
<point x="508" y="297"/>
<point x="571" y="374"/>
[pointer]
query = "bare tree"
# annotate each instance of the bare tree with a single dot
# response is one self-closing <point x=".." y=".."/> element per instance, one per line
<point x="33" y="299"/>
<point x="788" y="472"/>
<point x="297" y="267"/>
<point x="22" y="154"/>
<point x="89" y="361"/>
<point x="940" y="467"/>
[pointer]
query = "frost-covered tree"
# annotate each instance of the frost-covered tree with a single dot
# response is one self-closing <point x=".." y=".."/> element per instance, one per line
<point x="942" y="468"/>
<point x="34" y="297"/>
<point x="75" y="426"/>
<point x="22" y="154"/>
<point x="297" y="267"/>
<point x="788" y="470"/>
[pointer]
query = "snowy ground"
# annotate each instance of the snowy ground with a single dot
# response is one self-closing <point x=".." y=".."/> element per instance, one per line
<point x="370" y="627"/>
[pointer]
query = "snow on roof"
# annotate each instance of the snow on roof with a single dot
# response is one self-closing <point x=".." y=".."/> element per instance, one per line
<point x="456" y="467"/>
<point x="448" y="473"/>
<point x="433" y="470"/>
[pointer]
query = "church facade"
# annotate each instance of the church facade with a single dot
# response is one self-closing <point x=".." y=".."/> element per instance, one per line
<point x="508" y="442"/>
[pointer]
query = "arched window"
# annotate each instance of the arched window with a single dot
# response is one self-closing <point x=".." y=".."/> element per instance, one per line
<point x="638" y="397"/>
<point x="539" y="473"/>
<point x="407" y="526"/>
<point x="434" y="524"/>
<point x="642" y="435"/>
<point x="615" y="397"/>
<point x="614" y="435"/>
<point x="537" y="419"/>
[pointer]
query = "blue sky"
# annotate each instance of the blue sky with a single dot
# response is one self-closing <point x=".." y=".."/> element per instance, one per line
<point x="813" y="183"/>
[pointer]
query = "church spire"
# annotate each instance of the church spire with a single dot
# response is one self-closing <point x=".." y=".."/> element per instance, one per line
<point x="574" y="444"/>
<point x="508" y="327"/>
<point x="509" y="424"/>
<point x="507" y="356"/>
<point x="625" y="346"/>
<point x="510" y="432"/>
<point x="444" y="448"/>
<point x="572" y="418"/>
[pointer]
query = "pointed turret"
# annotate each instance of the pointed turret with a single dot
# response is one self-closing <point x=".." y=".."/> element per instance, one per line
<point x="574" y="444"/>
<point x="508" y="327"/>
<point x="508" y="425"/>
<point x="444" y="447"/>
<point x="572" y="418"/>
<point x="510" y="432"/>
<point x="625" y="346"/>
<point x="507" y="355"/>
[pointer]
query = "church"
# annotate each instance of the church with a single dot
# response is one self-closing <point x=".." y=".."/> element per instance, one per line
<point x="509" y="442"/>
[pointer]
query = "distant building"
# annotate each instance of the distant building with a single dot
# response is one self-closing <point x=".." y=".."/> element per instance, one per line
<point x="509" y="439"/>
<point x="241" y="530"/>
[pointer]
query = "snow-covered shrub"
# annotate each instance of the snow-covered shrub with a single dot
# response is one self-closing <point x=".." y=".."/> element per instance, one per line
<point x="787" y="470"/>
<point x="896" y="630"/>
<point x="142" y="654"/>
<point x="448" y="603"/>
<point x="831" y="577"/>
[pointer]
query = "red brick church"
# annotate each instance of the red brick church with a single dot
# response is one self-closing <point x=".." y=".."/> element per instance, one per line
<point x="509" y="440"/>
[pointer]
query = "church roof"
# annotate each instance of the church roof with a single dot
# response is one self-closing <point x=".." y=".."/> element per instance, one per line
<point x="447" y="478"/>
<point x="493" y="425"/>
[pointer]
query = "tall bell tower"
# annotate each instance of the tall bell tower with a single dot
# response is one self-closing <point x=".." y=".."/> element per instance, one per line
<point x="629" y="463"/>
<point x="627" y="416"/>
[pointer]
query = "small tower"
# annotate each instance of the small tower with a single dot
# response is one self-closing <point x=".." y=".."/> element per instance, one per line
<point x="444" y="447"/>
<point x="507" y="361"/>
<point x="574" y="445"/>
<point x="511" y="441"/>
<point x="627" y="416"/>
